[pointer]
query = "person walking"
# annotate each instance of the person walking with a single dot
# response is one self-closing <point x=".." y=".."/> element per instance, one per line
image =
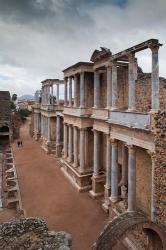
<point x="18" y="144"/>
<point x="21" y="143"/>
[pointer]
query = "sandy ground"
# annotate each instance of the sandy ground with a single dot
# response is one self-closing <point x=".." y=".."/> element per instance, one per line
<point x="48" y="194"/>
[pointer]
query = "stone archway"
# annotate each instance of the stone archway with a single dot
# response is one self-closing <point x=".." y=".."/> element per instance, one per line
<point x="117" y="229"/>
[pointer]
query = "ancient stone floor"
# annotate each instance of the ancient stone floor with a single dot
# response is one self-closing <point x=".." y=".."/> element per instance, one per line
<point x="48" y="194"/>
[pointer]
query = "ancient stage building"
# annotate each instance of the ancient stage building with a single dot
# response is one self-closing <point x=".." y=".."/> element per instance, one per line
<point x="114" y="128"/>
<point x="48" y="117"/>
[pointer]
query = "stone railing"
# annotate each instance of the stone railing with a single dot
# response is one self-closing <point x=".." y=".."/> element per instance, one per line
<point x="129" y="119"/>
<point x="77" y="111"/>
<point x="100" y="113"/>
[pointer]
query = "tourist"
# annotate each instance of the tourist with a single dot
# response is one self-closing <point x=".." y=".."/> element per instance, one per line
<point x="21" y="143"/>
<point x="18" y="144"/>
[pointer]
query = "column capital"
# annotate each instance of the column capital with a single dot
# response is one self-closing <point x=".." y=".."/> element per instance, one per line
<point x="114" y="141"/>
<point x="131" y="148"/>
<point x="151" y="153"/>
<point x="131" y="56"/>
<point x="154" y="47"/>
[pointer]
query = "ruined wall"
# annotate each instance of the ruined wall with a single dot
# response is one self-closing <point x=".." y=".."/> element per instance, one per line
<point x="143" y="180"/>
<point x="160" y="167"/>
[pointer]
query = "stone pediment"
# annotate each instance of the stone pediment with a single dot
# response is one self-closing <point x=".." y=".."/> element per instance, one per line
<point x="99" y="54"/>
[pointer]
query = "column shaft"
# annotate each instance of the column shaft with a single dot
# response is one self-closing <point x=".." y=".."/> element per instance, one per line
<point x="114" y="172"/>
<point x="131" y="179"/>
<point x="131" y="98"/>
<point x="109" y="86"/>
<point x="70" y="91"/>
<point x="75" y="147"/>
<point x="82" y="150"/>
<point x="82" y="90"/>
<point x="57" y="94"/>
<point x="65" y="94"/>
<point x="96" y="166"/>
<point x="48" y="128"/>
<point x="75" y="91"/>
<point x="65" y="143"/>
<point x="114" y="86"/>
<point x="155" y="78"/>
<point x="58" y="124"/>
<point x="108" y="163"/>
<point x="96" y="90"/>
<point x="70" y="143"/>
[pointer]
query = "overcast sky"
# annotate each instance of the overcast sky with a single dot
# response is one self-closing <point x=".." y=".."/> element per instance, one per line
<point x="39" y="38"/>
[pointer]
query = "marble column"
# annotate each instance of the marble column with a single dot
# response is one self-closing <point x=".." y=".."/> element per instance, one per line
<point x="131" y="77"/>
<point x="108" y="164"/>
<point x="82" y="150"/>
<point x="65" y="141"/>
<point x="114" y="86"/>
<point x="114" y="171"/>
<point x="40" y="123"/>
<point x="75" y="146"/>
<point x="96" y="162"/>
<point x="70" y="143"/>
<point x="131" y="178"/>
<point x="96" y="89"/>
<point x="75" y="91"/>
<point x="155" y="78"/>
<point x="57" y="94"/>
<point x="109" y="86"/>
<point x="82" y="90"/>
<point x="65" y="92"/>
<point x="52" y="94"/>
<point x="48" y="129"/>
<point x="70" y="91"/>
<point x="58" y="124"/>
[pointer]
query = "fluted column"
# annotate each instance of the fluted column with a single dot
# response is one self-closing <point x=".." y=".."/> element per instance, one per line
<point x="131" y="178"/>
<point x="57" y="94"/>
<point x="114" y="171"/>
<point x="65" y="92"/>
<point x="131" y="97"/>
<point x="96" y="89"/>
<point x="75" y="91"/>
<point x="155" y="78"/>
<point x="109" y="86"/>
<point x="65" y="142"/>
<point x="114" y="86"/>
<point x="52" y="94"/>
<point x="48" y="129"/>
<point x="96" y="162"/>
<point x="82" y="90"/>
<point x="108" y="164"/>
<point x="82" y="150"/>
<point x="70" y="143"/>
<point x="70" y="91"/>
<point x="75" y="147"/>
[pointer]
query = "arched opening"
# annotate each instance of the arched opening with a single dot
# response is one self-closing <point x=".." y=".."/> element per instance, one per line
<point x="154" y="240"/>
<point x="4" y="129"/>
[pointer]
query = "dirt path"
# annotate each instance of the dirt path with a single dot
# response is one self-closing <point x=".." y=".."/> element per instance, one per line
<point x="48" y="194"/>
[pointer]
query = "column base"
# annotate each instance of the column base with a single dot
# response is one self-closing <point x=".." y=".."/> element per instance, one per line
<point x="59" y="151"/>
<point x="131" y="110"/>
<point x="97" y="186"/>
<point x="113" y="199"/>
<point x="106" y="203"/>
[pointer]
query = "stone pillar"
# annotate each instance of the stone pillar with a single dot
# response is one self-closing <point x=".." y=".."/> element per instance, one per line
<point x="57" y="94"/>
<point x="131" y="179"/>
<point x="48" y="129"/>
<point x="58" y="124"/>
<point x="82" y="90"/>
<point x="70" y="143"/>
<point x="155" y="78"/>
<point x="114" y="171"/>
<point x="96" y="89"/>
<point x="52" y="94"/>
<point x="96" y="162"/>
<point x="131" y="97"/>
<point x="70" y="91"/>
<point x="136" y="68"/>
<point x="75" y="147"/>
<point x="65" y="141"/>
<point x="108" y="164"/>
<point x="124" y="165"/>
<point x="39" y="123"/>
<point x="75" y="91"/>
<point x="65" y="94"/>
<point x="109" y="86"/>
<point x="82" y="150"/>
<point x="114" y="86"/>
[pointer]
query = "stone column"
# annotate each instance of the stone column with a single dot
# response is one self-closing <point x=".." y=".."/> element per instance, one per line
<point x="114" y="171"/>
<point x="96" y="159"/>
<point x="48" y="129"/>
<point x="52" y="94"/>
<point x="40" y="123"/>
<point x="65" y="92"/>
<point x="70" y="143"/>
<point x="57" y="94"/>
<point x="82" y="90"/>
<point x="65" y="142"/>
<point x="109" y="86"/>
<point x="70" y="91"/>
<point x="75" y="147"/>
<point x="131" y="179"/>
<point x="108" y="164"/>
<point x="96" y="89"/>
<point x="75" y="91"/>
<point x="58" y="124"/>
<point x="82" y="150"/>
<point x="155" y="78"/>
<point x="114" y="86"/>
<point x="131" y="97"/>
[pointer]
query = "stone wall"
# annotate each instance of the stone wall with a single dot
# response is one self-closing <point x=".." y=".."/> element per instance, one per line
<point x="160" y="167"/>
<point x="32" y="234"/>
